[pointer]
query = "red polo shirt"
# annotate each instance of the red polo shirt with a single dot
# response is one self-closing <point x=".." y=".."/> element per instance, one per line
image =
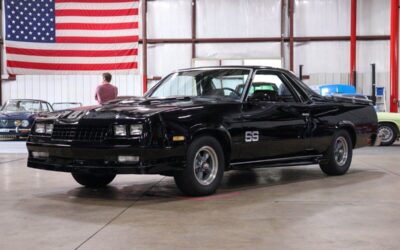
<point x="106" y="92"/>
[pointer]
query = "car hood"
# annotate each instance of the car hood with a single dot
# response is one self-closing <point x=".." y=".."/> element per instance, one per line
<point x="16" y="115"/>
<point x="138" y="107"/>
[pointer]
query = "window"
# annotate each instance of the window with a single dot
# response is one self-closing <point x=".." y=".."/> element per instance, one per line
<point x="44" y="107"/>
<point x="272" y="85"/>
<point x="227" y="83"/>
<point x="22" y="106"/>
<point x="49" y="107"/>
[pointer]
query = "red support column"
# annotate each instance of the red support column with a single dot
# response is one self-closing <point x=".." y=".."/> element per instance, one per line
<point x="353" y="42"/>
<point x="144" y="44"/>
<point x="394" y="56"/>
<point x="194" y="27"/>
<point x="291" y="35"/>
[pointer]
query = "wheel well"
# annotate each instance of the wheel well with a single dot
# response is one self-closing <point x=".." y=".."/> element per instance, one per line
<point x="352" y="134"/>
<point x="393" y="124"/>
<point x="222" y="139"/>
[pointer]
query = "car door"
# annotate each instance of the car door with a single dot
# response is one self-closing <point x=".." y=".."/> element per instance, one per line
<point x="276" y="126"/>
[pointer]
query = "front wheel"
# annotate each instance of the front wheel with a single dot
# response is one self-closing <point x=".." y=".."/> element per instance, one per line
<point x="339" y="155"/>
<point x="93" y="180"/>
<point x="388" y="134"/>
<point x="205" y="168"/>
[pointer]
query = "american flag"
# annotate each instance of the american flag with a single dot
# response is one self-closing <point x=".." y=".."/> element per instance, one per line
<point x="71" y="36"/>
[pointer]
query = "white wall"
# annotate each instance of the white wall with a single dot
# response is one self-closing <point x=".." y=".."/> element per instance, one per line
<point x="325" y="62"/>
<point x="216" y="18"/>
<point x="329" y="62"/>
<point x="67" y="88"/>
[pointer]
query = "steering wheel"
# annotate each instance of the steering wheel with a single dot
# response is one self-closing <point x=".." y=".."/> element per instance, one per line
<point x="232" y="90"/>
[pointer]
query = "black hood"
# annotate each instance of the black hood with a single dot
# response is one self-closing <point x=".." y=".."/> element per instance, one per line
<point x="138" y="107"/>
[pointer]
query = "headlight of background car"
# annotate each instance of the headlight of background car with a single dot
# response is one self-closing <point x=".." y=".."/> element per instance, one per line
<point x="119" y="130"/>
<point x="40" y="128"/>
<point x="49" y="129"/>
<point x="25" y="123"/>
<point x="136" y="129"/>
<point x="17" y="123"/>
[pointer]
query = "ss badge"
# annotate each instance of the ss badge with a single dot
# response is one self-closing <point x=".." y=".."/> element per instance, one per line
<point x="251" y="136"/>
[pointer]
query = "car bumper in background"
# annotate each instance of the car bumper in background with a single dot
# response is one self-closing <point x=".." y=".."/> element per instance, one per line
<point x="13" y="133"/>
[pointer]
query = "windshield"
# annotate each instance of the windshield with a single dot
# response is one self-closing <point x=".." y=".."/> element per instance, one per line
<point x="22" y="106"/>
<point x="220" y="82"/>
<point x="66" y="105"/>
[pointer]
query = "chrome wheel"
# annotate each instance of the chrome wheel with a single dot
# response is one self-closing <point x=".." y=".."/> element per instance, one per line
<point x="205" y="165"/>
<point x="341" y="151"/>
<point x="386" y="133"/>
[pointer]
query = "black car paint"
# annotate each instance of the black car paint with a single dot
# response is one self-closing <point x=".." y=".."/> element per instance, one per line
<point x="290" y="133"/>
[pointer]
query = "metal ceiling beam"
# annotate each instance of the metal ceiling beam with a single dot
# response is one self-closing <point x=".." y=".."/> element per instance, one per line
<point x="266" y="39"/>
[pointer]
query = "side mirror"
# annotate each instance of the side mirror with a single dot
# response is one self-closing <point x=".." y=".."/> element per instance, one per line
<point x="264" y="96"/>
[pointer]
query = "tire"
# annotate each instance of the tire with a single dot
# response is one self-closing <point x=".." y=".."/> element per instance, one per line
<point x="388" y="133"/>
<point x="93" y="180"/>
<point x="339" y="155"/>
<point x="202" y="174"/>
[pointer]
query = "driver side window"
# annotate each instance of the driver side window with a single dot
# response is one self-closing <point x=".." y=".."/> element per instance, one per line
<point x="271" y="86"/>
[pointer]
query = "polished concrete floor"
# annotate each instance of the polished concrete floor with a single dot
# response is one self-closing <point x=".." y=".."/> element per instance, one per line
<point x="281" y="208"/>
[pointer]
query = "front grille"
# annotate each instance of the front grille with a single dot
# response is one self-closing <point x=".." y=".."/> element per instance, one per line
<point x="7" y="123"/>
<point x="80" y="133"/>
<point x="7" y="137"/>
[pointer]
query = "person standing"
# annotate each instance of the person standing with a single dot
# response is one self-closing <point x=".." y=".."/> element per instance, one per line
<point x="106" y="91"/>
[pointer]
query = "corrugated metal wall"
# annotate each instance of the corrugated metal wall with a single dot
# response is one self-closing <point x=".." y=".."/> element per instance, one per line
<point x="325" y="62"/>
<point x="70" y="88"/>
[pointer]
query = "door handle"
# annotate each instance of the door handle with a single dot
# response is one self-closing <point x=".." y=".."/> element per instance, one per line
<point x="306" y="114"/>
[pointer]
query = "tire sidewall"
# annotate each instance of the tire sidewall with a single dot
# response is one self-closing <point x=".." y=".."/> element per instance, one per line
<point x="187" y="180"/>
<point x="394" y="133"/>
<point x="93" y="180"/>
<point x="331" y="167"/>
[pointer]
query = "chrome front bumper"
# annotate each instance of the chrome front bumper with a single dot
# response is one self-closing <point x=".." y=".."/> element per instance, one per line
<point x="13" y="133"/>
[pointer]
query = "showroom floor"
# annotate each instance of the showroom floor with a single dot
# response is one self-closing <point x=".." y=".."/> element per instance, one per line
<point x="281" y="208"/>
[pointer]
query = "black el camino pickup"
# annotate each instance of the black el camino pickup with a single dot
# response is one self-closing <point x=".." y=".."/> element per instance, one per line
<point x="195" y="124"/>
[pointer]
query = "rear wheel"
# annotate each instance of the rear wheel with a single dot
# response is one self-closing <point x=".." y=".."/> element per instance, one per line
<point x="388" y="133"/>
<point x="339" y="155"/>
<point x="93" y="180"/>
<point x="205" y="168"/>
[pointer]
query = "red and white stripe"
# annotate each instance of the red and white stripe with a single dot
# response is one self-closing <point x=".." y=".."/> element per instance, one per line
<point x="92" y="36"/>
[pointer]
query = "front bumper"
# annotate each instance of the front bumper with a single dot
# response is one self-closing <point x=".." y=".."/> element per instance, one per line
<point x="67" y="158"/>
<point x="14" y="133"/>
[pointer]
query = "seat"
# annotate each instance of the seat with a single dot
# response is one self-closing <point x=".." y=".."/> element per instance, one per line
<point x="265" y="95"/>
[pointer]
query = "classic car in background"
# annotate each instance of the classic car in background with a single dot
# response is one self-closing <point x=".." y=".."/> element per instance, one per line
<point x="389" y="123"/>
<point x="196" y="124"/>
<point x="57" y="106"/>
<point x="389" y="127"/>
<point x="17" y="116"/>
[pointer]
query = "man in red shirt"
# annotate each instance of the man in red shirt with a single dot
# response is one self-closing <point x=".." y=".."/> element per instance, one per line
<point x="106" y="92"/>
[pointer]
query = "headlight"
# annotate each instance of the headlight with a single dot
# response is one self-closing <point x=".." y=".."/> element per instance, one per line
<point x="49" y="129"/>
<point x="40" y="128"/>
<point x="25" y="123"/>
<point x="17" y="123"/>
<point x="136" y="129"/>
<point x="119" y="130"/>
